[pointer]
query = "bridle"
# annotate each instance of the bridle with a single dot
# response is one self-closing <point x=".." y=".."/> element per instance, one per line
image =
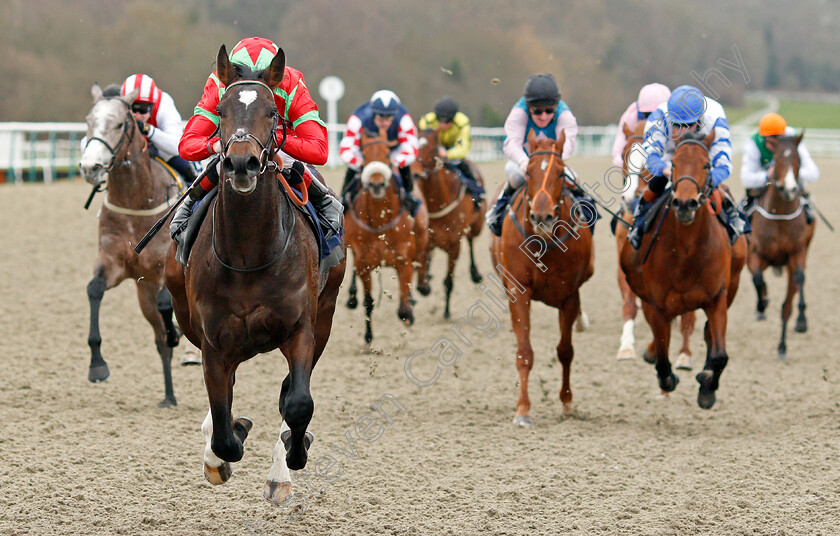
<point x="703" y="191"/>
<point x="127" y="134"/>
<point x="542" y="189"/>
<point x="267" y="150"/>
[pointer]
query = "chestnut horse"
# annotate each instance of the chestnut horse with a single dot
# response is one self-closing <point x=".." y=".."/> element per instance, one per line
<point x="452" y="213"/>
<point x="139" y="190"/>
<point x="635" y="173"/>
<point x="253" y="283"/>
<point x="382" y="233"/>
<point x="781" y="235"/>
<point x="691" y="265"/>
<point x="554" y="275"/>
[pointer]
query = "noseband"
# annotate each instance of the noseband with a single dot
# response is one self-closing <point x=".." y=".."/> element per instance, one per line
<point x="267" y="150"/>
<point x="127" y="134"/>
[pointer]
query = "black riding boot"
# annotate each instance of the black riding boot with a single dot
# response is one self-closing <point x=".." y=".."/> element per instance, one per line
<point x="182" y="213"/>
<point x="183" y="167"/>
<point x="473" y="187"/>
<point x="410" y="202"/>
<point x="329" y="209"/>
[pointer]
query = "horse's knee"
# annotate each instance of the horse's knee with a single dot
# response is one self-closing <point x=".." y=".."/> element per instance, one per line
<point x="799" y="277"/>
<point x="96" y="287"/>
<point x="164" y="301"/>
<point x="298" y="409"/>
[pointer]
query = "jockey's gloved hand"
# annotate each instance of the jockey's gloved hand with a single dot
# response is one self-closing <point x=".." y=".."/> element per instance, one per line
<point x="296" y="176"/>
<point x="719" y="174"/>
<point x="523" y="166"/>
<point x="655" y="165"/>
<point x="145" y="128"/>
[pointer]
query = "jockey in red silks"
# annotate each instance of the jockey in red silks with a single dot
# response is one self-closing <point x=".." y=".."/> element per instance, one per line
<point x="306" y="134"/>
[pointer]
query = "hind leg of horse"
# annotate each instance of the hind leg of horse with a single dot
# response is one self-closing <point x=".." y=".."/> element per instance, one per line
<point x="565" y="350"/>
<point x="297" y="401"/>
<point x="352" y="301"/>
<point x="686" y="329"/>
<point x="448" y="282"/>
<point x="661" y="327"/>
<point x="147" y="294"/>
<point x="629" y="309"/>
<point x="716" y="357"/>
<point x="520" y="316"/>
<point x="98" y="371"/>
<point x="757" y="267"/>
<point x="475" y="275"/>
<point x="405" y="312"/>
<point x="223" y="436"/>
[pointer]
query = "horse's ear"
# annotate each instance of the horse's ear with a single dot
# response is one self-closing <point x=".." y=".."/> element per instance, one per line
<point x="707" y="141"/>
<point x="96" y="92"/>
<point x="561" y="141"/>
<point x="273" y="76"/>
<point x="131" y="97"/>
<point x="627" y="132"/>
<point x="798" y="139"/>
<point x="224" y="70"/>
<point x="532" y="140"/>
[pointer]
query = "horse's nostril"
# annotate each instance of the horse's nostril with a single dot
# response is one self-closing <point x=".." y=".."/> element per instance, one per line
<point x="253" y="165"/>
<point x="227" y="166"/>
<point x="693" y="204"/>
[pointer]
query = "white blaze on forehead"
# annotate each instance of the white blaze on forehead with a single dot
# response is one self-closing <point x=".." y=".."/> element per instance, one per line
<point x="544" y="165"/>
<point x="247" y="97"/>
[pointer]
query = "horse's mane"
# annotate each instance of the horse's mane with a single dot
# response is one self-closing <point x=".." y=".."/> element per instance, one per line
<point x="693" y="135"/>
<point x="111" y="90"/>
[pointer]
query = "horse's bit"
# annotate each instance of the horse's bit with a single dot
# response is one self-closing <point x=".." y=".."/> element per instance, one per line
<point x="127" y="133"/>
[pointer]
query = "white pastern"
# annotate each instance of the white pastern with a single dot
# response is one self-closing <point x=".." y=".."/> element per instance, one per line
<point x="627" y="338"/>
<point x="279" y="472"/>
<point x="247" y="97"/>
<point x="207" y="431"/>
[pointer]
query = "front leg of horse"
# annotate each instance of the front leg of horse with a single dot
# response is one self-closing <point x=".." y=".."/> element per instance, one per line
<point x="223" y="437"/>
<point x="368" y="301"/>
<point x="405" y="271"/>
<point x="565" y="350"/>
<point x="757" y="267"/>
<point x="352" y="300"/>
<point x="716" y="357"/>
<point x="98" y="371"/>
<point x="520" y="316"/>
<point x="801" y="322"/>
<point x="787" y="307"/>
<point x="297" y="405"/>
<point x="661" y="327"/>
<point x="448" y="282"/>
<point x="149" y="297"/>
<point x="164" y="304"/>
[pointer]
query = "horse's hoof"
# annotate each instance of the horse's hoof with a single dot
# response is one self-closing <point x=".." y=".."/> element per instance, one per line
<point x="683" y="362"/>
<point x="782" y="355"/>
<point x="648" y="357"/>
<point x="286" y="438"/>
<point x="241" y="427"/>
<point x="425" y="289"/>
<point x="406" y="316"/>
<point x="368" y="338"/>
<point x="760" y="315"/>
<point x="523" y="421"/>
<point x="669" y="383"/>
<point x="168" y="403"/>
<point x="625" y="354"/>
<point x="567" y="408"/>
<point x="446" y="315"/>
<point x="277" y="492"/>
<point x="352" y="302"/>
<point x="191" y="357"/>
<point x="801" y="325"/>
<point x="98" y="373"/>
<point x="217" y="475"/>
<point x="706" y="399"/>
<point x="475" y="276"/>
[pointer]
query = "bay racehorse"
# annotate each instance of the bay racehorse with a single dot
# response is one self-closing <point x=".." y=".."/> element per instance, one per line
<point x="382" y="233"/>
<point x="452" y="213"/>
<point x="691" y="265"/>
<point x="633" y="167"/>
<point x="139" y="190"/>
<point x="252" y="283"/>
<point x="781" y="235"/>
<point x="544" y="254"/>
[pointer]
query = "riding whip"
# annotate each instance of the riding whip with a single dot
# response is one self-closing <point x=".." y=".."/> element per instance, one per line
<point x="156" y="227"/>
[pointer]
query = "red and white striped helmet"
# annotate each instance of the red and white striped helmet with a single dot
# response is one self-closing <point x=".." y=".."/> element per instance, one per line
<point x="148" y="90"/>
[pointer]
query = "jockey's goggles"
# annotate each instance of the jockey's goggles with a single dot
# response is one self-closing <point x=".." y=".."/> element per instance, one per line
<point x="542" y="111"/>
<point x="142" y="107"/>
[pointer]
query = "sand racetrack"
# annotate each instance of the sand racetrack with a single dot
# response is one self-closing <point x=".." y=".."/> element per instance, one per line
<point x="82" y="458"/>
